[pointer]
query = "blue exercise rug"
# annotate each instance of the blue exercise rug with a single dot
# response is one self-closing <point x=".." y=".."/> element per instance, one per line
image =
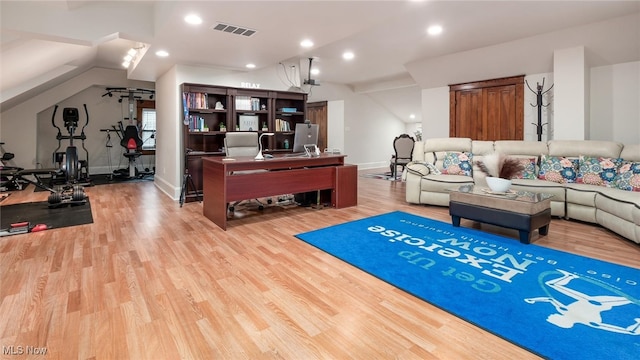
<point x="555" y="304"/>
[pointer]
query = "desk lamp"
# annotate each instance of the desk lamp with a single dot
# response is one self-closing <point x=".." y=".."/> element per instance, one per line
<point x="259" y="156"/>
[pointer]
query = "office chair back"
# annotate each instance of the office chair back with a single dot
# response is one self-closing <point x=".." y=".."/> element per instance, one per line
<point x="241" y="143"/>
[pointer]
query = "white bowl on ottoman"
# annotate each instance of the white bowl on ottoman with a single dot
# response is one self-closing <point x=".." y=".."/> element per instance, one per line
<point x="498" y="185"/>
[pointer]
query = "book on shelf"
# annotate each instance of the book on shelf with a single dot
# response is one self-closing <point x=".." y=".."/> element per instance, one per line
<point x="282" y="125"/>
<point x="247" y="103"/>
<point x="197" y="100"/>
<point x="196" y="123"/>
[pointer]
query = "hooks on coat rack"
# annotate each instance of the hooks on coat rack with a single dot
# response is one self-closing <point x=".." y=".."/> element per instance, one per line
<point x="539" y="93"/>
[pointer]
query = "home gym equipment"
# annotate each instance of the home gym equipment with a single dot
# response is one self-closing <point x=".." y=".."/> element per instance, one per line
<point x="130" y="135"/>
<point x="16" y="178"/>
<point x="22" y="228"/>
<point x="7" y="172"/>
<point x="109" y="145"/>
<point x="75" y="170"/>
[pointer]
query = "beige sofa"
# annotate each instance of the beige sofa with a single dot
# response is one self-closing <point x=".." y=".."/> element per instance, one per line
<point x="610" y="207"/>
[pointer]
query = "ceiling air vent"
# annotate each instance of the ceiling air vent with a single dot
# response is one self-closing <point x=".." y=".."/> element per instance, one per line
<point x="233" y="29"/>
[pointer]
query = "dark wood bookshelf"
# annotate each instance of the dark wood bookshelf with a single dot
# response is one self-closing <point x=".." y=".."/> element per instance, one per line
<point x="265" y="105"/>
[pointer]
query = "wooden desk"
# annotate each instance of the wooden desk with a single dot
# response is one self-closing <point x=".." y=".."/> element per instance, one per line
<point x="224" y="182"/>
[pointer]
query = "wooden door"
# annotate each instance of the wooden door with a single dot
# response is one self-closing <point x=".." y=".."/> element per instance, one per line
<point x="317" y="114"/>
<point x="468" y="113"/>
<point x="499" y="113"/>
<point x="488" y="110"/>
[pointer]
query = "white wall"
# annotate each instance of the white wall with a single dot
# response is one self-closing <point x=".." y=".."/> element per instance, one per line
<point x="335" y="126"/>
<point x="169" y="149"/>
<point x="369" y="128"/>
<point x="435" y="112"/>
<point x="615" y="102"/>
<point x="570" y="94"/>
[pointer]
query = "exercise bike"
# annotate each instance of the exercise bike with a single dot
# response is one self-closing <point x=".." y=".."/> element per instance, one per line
<point x="75" y="171"/>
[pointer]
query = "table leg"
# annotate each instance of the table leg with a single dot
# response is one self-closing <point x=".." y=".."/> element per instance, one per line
<point x="544" y="230"/>
<point x="525" y="236"/>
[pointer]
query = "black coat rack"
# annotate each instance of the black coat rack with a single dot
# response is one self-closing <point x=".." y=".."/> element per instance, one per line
<point x="539" y="105"/>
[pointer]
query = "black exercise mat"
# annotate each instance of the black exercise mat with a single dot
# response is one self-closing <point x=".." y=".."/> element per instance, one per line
<point x="39" y="213"/>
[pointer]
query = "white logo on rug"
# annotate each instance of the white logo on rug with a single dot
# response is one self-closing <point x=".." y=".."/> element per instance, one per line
<point x="586" y="309"/>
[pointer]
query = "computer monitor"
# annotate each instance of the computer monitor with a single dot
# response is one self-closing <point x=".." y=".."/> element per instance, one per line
<point x="306" y="134"/>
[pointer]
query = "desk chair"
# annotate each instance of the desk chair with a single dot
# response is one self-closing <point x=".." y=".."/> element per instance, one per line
<point x="403" y="147"/>
<point x="242" y="143"/>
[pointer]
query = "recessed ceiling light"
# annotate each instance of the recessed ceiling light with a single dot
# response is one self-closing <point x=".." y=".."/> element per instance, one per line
<point x="251" y="66"/>
<point x="306" y="43"/>
<point x="434" y="30"/>
<point x="412" y="116"/>
<point x="315" y="71"/>
<point x="162" y="53"/>
<point x="348" y="55"/>
<point x="193" y="19"/>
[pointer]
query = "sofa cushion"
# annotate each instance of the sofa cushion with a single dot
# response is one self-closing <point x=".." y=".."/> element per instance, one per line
<point x="628" y="177"/>
<point x="521" y="148"/>
<point x="557" y="190"/>
<point x="619" y="203"/>
<point x="631" y="152"/>
<point x="435" y="149"/>
<point x="575" y="148"/>
<point x="457" y="163"/>
<point x="558" y="169"/>
<point x="444" y="183"/>
<point x="599" y="171"/>
<point x="582" y="194"/>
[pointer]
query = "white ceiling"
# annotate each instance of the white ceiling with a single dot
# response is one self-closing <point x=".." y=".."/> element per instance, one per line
<point x="46" y="42"/>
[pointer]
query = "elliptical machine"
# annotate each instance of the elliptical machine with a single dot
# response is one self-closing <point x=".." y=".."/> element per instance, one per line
<point x="75" y="171"/>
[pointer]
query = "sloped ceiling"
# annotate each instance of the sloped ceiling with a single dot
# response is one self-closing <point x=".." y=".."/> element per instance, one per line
<point x="46" y="42"/>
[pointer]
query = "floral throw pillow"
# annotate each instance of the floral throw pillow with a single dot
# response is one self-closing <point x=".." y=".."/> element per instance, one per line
<point x="558" y="169"/>
<point x="457" y="163"/>
<point x="529" y="168"/>
<point x="628" y="177"/>
<point x="598" y="170"/>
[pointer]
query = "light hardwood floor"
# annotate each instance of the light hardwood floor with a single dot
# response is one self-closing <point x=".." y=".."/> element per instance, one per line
<point x="151" y="280"/>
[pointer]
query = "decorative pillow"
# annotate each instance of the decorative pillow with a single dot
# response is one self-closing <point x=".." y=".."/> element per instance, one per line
<point x="457" y="163"/>
<point x="598" y="170"/>
<point x="558" y="169"/>
<point x="529" y="168"/>
<point x="628" y="177"/>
